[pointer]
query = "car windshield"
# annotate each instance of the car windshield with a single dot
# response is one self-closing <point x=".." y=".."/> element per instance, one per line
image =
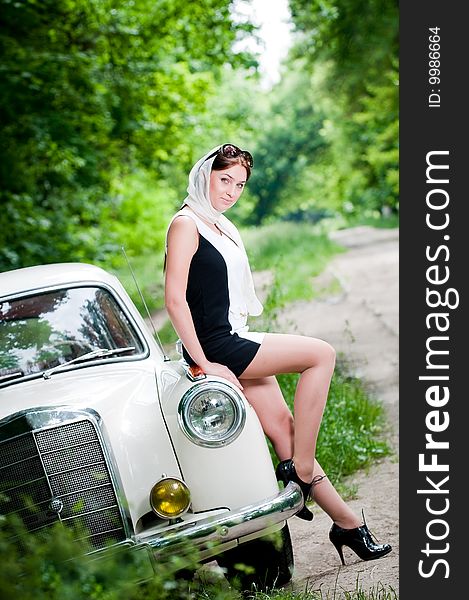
<point x="46" y="330"/>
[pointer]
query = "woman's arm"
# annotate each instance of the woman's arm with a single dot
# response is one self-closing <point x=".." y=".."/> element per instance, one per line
<point x="183" y="242"/>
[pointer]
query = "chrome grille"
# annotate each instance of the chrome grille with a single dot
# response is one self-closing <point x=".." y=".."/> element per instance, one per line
<point x="65" y="463"/>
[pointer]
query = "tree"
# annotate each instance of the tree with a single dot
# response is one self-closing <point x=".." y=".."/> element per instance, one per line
<point x="354" y="45"/>
<point x="91" y="89"/>
<point x="359" y="38"/>
<point x="288" y="142"/>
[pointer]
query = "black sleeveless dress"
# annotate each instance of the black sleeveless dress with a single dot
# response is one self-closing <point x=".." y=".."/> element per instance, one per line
<point x="215" y="299"/>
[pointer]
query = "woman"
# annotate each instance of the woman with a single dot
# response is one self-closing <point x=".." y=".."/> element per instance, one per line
<point x="209" y="294"/>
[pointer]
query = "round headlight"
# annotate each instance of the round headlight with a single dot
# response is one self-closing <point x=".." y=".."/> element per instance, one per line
<point x="170" y="498"/>
<point x="211" y="414"/>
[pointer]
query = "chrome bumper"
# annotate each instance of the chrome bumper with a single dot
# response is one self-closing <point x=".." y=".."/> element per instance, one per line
<point x="230" y="526"/>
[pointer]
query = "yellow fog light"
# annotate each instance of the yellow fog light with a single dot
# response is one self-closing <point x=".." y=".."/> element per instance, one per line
<point x="170" y="498"/>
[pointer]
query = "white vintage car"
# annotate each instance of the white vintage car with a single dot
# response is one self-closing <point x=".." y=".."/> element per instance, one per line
<point x="99" y="427"/>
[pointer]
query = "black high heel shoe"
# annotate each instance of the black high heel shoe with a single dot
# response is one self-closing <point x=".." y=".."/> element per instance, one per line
<point x="359" y="540"/>
<point x="286" y="472"/>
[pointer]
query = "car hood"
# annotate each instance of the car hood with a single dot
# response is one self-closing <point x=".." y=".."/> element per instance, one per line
<point x="92" y="386"/>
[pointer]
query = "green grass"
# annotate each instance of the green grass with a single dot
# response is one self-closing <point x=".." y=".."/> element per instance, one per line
<point x="350" y="437"/>
<point x="351" y="431"/>
<point x="215" y="588"/>
<point x="375" y="219"/>
<point x="295" y="252"/>
<point x="377" y="592"/>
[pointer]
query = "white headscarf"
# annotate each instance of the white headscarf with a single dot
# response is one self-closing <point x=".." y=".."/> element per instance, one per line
<point x="198" y="190"/>
<point x="198" y="199"/>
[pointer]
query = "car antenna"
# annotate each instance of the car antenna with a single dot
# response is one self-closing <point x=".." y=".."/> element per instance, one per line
<point x="165" y="357"/>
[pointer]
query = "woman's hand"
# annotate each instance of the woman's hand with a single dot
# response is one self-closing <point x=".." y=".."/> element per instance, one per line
<point x="211" y="368"/>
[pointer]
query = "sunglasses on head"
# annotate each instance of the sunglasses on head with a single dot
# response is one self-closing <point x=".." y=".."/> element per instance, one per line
<point x="232" y="151"/>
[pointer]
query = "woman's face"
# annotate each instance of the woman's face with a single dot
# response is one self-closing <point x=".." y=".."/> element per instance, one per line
<point x="226" y="187"/>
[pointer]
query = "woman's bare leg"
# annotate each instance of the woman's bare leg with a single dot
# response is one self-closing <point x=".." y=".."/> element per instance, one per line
<point x="314" y="360"/>
<point x="328" y="498"/>
<point x="265" y="396"/>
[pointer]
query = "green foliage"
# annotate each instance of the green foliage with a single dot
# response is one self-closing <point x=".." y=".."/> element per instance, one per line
<point x="139" y="214"/>
<point x="101" y="101"/>
<point x="234" y="111"/>
<point x="328" y="133"/>
<point x="89" y="88"/>
<point x="52" y="564"/>
<point x="285" y="147"/>
<point x="167" y="334"/>
<point x="137" y="219"/>
<point x="379" y="117"/>
<point x="374" y="219"/>
<point x="358" y="39"/>
<point x="352" y="50"/>
<point x="358" y="172"/>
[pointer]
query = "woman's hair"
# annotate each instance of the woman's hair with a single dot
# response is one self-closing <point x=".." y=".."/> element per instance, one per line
<point x="222" y="162"/>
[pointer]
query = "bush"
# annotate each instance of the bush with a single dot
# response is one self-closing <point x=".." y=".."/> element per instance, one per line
<point x="52" y="564"/>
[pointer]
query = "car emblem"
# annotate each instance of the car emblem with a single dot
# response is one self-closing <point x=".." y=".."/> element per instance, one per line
<point x="56" y="505"/>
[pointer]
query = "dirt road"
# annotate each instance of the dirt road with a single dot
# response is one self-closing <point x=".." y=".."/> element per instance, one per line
<point x="361" y="321"/>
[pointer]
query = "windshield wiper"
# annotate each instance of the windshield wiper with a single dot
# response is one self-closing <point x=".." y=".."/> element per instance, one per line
<point x="13" y="374"/>
<point x="99" y="353"/>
